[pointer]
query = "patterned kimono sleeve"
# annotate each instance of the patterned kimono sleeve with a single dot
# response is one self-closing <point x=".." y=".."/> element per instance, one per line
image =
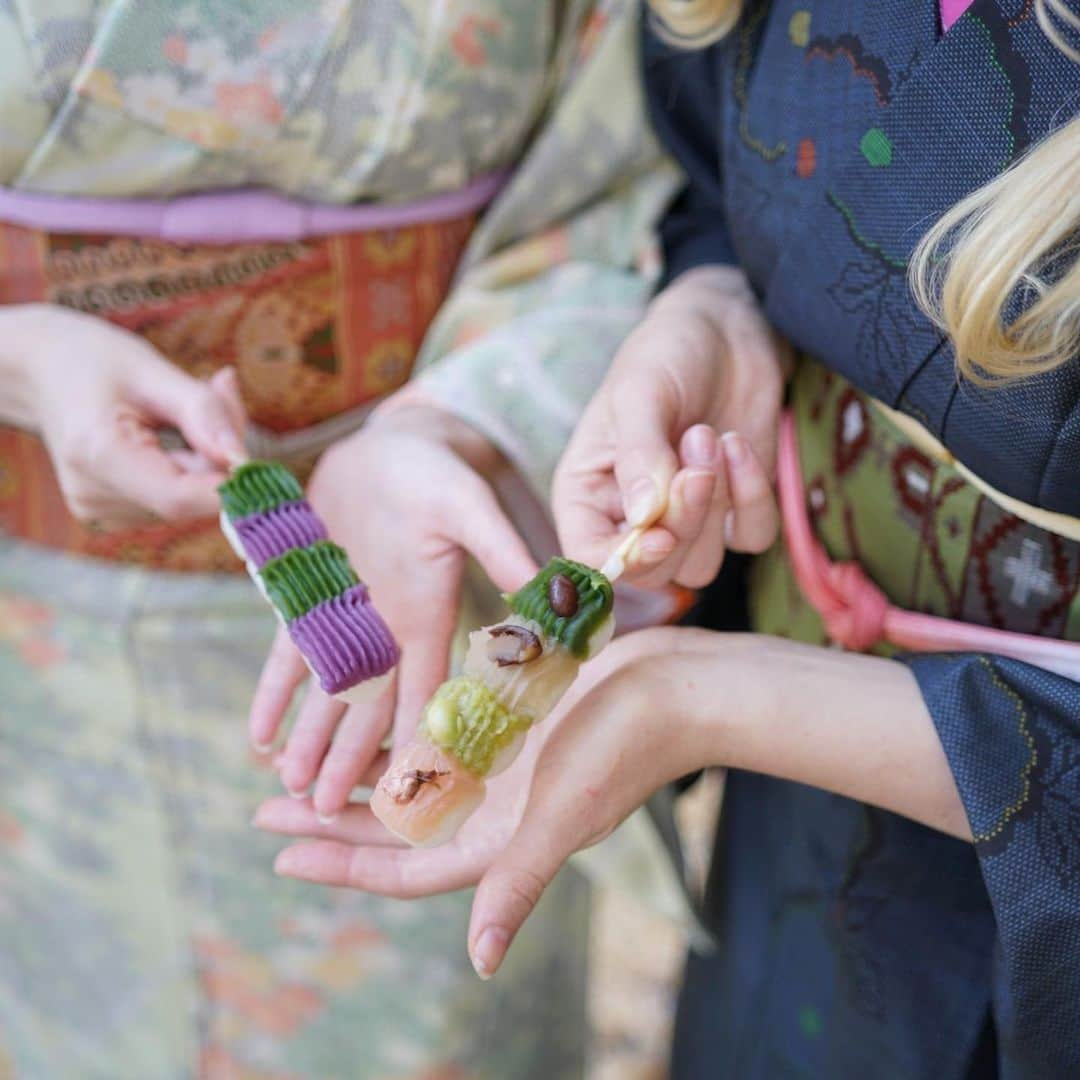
<point x="682" y="87"/>
<point x="562" y="265"/>
<point x="1012" y="736"/>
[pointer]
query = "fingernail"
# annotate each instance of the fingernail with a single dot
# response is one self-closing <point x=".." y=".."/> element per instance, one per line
<point x="734" y="449"/>
<point x="327" y="819"/>
<point x="293" y="794"/>
<point x="284" y="863"/>
<point x="698" y="489"/>
<point x="641" y="505"/>
<point x="489" y="950"/>
<point x="699" y="446"/>
<point x="262" y="747"/>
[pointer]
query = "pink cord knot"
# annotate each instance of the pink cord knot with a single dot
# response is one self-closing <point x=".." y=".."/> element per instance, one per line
<point x="855" y="618"/>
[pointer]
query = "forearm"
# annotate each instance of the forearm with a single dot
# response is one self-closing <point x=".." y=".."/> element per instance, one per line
<point x="850" y="724"/>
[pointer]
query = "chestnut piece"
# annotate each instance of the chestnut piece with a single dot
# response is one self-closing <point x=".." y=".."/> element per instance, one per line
<point x="511" y="644"/>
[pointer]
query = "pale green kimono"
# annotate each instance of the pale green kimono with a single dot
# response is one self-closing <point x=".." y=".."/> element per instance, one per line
<point x="142" y="933"/>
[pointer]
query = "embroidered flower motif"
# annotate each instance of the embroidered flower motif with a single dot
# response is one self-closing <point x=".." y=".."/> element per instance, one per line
<point x="152" y="97"/>
<point x="175" y="48"/>
<point x="467" y="42"/>
<point x="247" y="103"/>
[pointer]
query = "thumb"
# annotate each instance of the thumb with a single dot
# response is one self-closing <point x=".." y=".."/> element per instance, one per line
<point x="212" y="418"/>
<point x="485" y="531"/>
<point x="208" y="414"/>
<point x="510" y="890"/>
<point x="226" y="384"/>
<point x="142" y="475"/>
<point x="645" y="459"/>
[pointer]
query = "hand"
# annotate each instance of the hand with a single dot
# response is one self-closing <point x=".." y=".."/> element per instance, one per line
<point x="407" y="499"/>
<point x="98" y="395"/>
<point x="702" y="362"/>
<point x="653" y="706"/>
<point x="355" y="850"/>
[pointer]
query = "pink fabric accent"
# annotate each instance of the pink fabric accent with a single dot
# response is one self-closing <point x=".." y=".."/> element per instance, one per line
<point x="951" y="10"/>
<point x="248" y="215"/>
<point x="858" y="615"/>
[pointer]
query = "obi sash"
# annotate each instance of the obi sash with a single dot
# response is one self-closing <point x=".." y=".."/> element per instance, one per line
<point x="321" y="310"/>
<point x="992" y="557"/>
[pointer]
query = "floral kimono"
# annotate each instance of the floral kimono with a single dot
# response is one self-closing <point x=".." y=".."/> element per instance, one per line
<point x="337" y="198"/>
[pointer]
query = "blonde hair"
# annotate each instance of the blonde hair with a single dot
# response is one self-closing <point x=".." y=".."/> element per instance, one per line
<point x="1016" y="239"/>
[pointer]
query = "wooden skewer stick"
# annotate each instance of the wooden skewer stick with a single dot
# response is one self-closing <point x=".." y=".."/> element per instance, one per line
<point x="615" y="565"/>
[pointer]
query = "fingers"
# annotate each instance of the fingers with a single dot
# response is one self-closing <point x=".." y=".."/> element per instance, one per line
<point x="586" y="502"/>
<point x="356" y="824"/>
<point x="282" y="673"/>
<point x="210" y="415"/>
<point x="704" y="552"/>
<point x="403" y="873"/>
<point x="311" y="734"/>
<point x="124" y="476"/>
<point x="508" y="893"/>
<point x="755" y="519"/>
<point x="226" y="384"/>
<point x="696" y="508"/>
<point x="422" y="668"/>
<point x="483" y="529"/>
<point x="354" y="747"/>
<point x="645" y="460"/>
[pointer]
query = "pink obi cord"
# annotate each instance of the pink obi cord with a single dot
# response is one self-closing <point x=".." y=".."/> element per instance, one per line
<point x="247" y="215"/>
<point x="858" y="615"/>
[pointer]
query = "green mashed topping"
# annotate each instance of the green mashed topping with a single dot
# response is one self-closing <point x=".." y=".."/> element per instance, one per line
<point x="467" y="720"/>
<point x="594" y="595"/>
<point x="257" y="487"/>
<point x="304" y="577"/>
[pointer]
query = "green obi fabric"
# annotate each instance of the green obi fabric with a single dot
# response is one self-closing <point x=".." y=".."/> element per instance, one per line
<point x="926" y="535"/>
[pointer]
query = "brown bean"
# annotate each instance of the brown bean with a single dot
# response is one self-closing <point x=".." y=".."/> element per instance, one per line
<point x="562" y="596"/>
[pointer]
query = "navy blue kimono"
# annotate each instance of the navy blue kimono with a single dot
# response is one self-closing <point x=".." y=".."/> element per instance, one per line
<point x="820" y="140"/>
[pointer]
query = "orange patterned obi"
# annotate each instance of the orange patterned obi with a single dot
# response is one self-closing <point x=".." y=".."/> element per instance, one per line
<point x="316" y="328"/>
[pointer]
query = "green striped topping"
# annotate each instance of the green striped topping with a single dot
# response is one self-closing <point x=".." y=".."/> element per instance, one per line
<point x="595" y="598"/>
<point x="467" y="720"/>
<point x="258" y="486"/>
<point x="304" y="577"/>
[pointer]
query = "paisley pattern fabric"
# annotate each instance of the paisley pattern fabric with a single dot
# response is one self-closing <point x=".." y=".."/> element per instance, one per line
<point x="821" y="139"/>
<point x="314" y="329"/>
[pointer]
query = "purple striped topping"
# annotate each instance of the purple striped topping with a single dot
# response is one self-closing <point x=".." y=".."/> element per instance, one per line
<point x="271" y="533"/>
<point x="345" y="640"/>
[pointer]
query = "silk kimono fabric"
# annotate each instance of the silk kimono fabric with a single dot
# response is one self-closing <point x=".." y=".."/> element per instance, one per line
<point x="821" y="139"/>
<point x="142" y="932"/>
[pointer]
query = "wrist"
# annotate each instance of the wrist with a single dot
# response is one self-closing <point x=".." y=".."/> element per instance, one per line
<point x="727" y="691"/>
<point x="25" y="331"/>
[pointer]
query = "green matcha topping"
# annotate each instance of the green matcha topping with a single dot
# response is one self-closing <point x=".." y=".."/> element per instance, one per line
<point x="594" y="600"/>
<point x="304" y="577"/>
<point x="467" y="720"/>
<point x="257" y="487"/>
